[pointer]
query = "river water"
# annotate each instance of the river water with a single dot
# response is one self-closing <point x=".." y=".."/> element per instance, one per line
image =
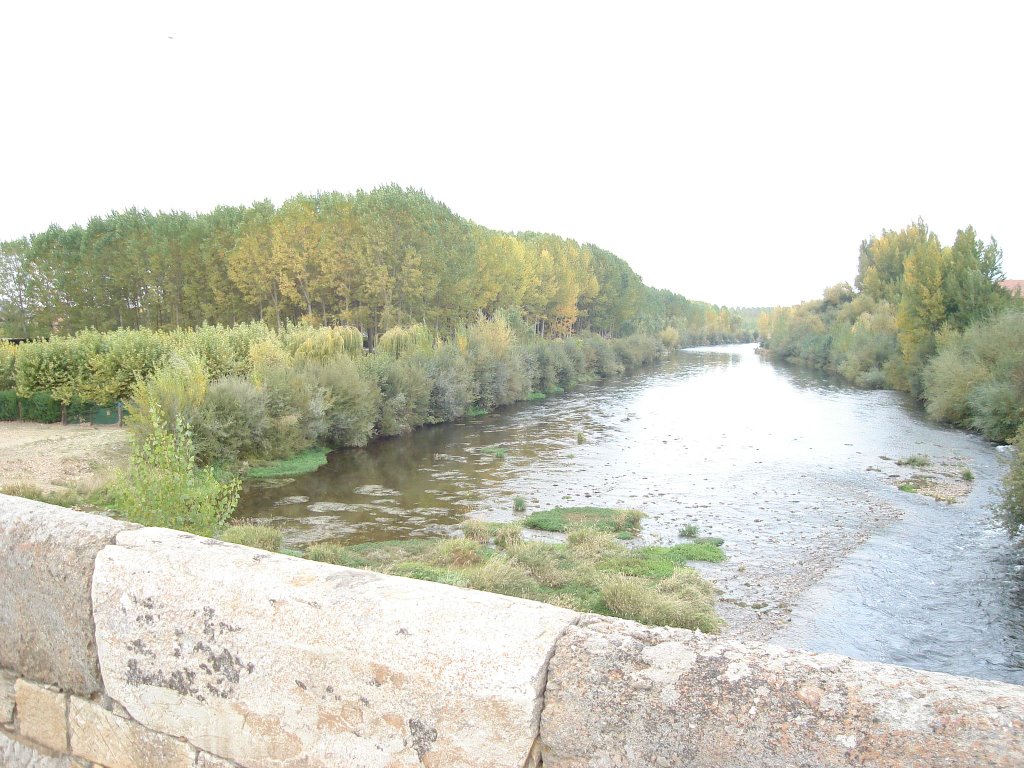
<point x="796" y="471"/>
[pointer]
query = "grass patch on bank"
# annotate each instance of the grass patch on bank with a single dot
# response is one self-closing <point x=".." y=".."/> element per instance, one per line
<point x="592" y="571"/>
<point x="65" y="497"/>
<point x="251" y="535"/>
<point x="301" y="464"/>
<point x="607" y="519"/>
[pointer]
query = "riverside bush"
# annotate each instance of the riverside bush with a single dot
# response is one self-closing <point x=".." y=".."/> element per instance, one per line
<point x="351" y="402"/>
<point x="1012" y="503"/>
<point x="164" y="487"/>
<point x="232" y="423"/>
<point x="452" y="388"/>
<point x="977" y="378"/>
<point x="250" y="393"/>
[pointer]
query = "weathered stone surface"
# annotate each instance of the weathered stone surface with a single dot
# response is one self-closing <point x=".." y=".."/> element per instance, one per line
<point x="620" y="694"/>
<point x="42" y="716"/>
<point x="46" y="563"/>
<point x="6" y="697"/>
<point x="273" y="661"/>
<point x="14" y="754"/>
<point x="206" y="760"/>
<point x="103" y="737"/>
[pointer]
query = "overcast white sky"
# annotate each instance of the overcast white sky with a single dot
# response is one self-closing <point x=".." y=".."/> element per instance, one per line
<point x="734" y="152"/>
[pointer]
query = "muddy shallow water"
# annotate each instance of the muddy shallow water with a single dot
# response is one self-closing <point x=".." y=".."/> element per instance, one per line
<point x="797" y="472"/>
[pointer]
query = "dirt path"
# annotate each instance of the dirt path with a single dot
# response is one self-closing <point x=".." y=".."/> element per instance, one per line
<point x="53" y="458"/>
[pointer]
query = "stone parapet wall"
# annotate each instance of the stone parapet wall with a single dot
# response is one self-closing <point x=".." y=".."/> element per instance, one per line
<point x="127" y="646"/>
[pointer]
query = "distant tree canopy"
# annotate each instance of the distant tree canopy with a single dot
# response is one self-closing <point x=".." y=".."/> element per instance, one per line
<point x="374" y="260"/>
<point x="911" y="294"/>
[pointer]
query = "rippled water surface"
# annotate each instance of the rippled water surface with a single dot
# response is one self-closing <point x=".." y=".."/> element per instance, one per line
<point x="794" y="470"/>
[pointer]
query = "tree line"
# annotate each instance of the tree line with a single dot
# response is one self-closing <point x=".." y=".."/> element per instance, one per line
<point x="373" y="260"/>
<point x="927" y="319"/>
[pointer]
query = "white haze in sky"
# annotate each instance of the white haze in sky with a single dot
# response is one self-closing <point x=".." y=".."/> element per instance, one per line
<point x="736" y="153"/>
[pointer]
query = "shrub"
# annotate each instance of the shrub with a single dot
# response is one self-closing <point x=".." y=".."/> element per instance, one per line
<point x="298" y="406"/>
<point x="403" y="340"/>
<point x="352" y="401"/>
<point x="232" y="423"/>
<point x="163" y="486"/>
<point x="997" y="408"/>
<point x="405" y="391"/>
<point x="518" y="504"/>
<point x="323" y="345"/>
<point x="1012" y="503"/>
<point x="122" y="360"/>
<point x="601" y="360"/>
<point x="689" y="531"/>
<point x="41" y="407"/>
<point x="497" y="362"/>
<point x="212" y="345"/>
<point x="59" y="367"/>
<point x="257" y="536"/>
<point x="452" y="385"/>
<point x="8" y="351"/>
<point x="9" y="406"/>
<point x="174" y="392"/>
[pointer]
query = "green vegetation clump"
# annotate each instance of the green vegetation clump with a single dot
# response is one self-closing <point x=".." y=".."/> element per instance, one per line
<point x="495" y="451"/>
<point x="591" y="572"/>
<point x="560" y="519"/>
<point x="908" y="487"/>
<point x="164" y="487"/>
<point x="689" y="531"/>
<point x="917" y="460"/>
<point x="302" y="464"/>
<point x="1011" y="504"/>
<point x="518" y="504"/>
<point x="257" y="536"/>
<point x="477" y="530"/>
<point x="60" y="498"/>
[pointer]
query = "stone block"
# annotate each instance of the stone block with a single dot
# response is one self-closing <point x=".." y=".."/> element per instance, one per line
<point x="6" y="698"/>
<point x="270" y="660"/>
<point x="46" y="562"/>
<point x="15" y="754"/>
<point x="42" y="715"/>
<point x="620" y="694"/>
<point x="115" y="742"/>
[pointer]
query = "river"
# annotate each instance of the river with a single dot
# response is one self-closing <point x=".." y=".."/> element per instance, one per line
<point x="798" y="473"/>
